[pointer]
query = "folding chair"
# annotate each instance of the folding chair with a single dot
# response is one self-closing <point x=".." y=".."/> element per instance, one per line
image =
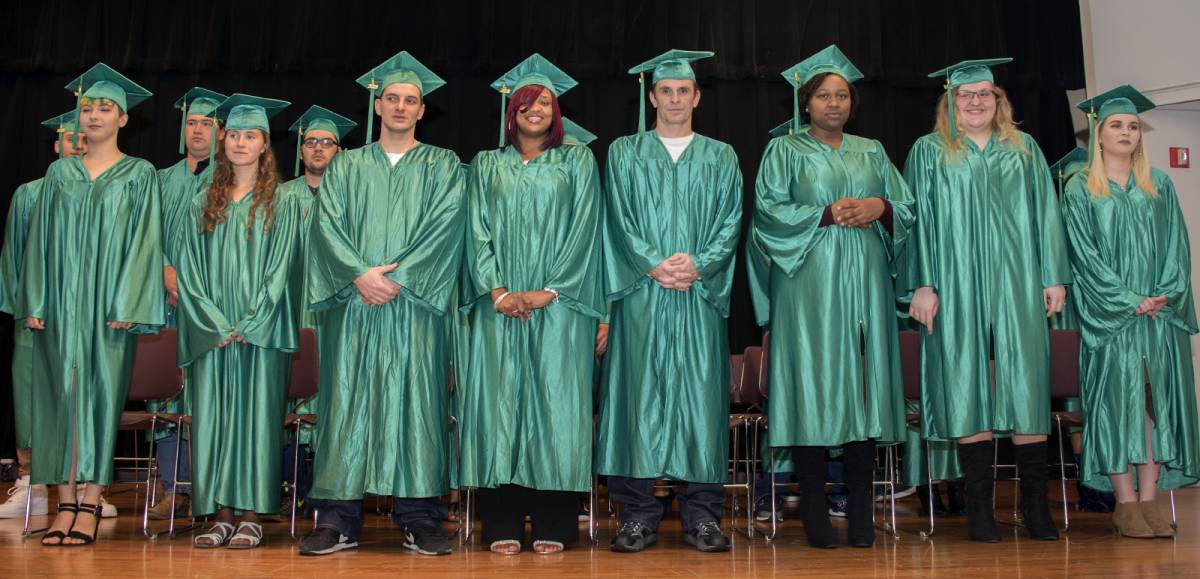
<point x="910" y="364"/>
<point x="301" y="387"/>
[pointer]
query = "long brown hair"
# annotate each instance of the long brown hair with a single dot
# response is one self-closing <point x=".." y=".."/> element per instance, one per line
<point x="1003" y="123"/>
<point x="219" y="192"/>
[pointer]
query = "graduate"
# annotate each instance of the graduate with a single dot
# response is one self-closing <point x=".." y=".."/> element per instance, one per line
<point x="239" y="242"/>
<point x="987" y="266"/>
<point x="198" y="134"/>
<point x="673" y="215"/>
<point x="535" y="296"/>
<point x="385" y="250"/>
<point x="97" y="214"/>
<point x="831" y="217"/>
<point x="66" y="144"/>
<point x="1133" y="296"/>
<point x="319" y="133"/>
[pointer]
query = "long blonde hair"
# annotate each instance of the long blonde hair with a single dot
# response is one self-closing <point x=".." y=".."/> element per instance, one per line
<point x="1098" y="178"/>
<point x="222" y="184"/>
<point x="1003" y="123"/>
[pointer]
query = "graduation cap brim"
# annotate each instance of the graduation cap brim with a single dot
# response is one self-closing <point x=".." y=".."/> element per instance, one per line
<point x="969" y="71"/>
<point x="243" y="111"/>
<point x="535" y="70"/>
<point x="400" y="68"/>
<point x="1122" y="99"/>
<point x="829" y="59"/>
<point x="112" y="85"/>
<point x="573" y="133"/>
<point x="673" y="64"/>
<point x="322" y="118"/>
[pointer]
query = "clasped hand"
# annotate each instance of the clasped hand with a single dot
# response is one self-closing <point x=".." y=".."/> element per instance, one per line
<point x="1151" y="307"/>
<point x="677" y="272"/>
<point x="520" y="304"/>
<point x="374" y="288"/>
<point x="855" y="212"/>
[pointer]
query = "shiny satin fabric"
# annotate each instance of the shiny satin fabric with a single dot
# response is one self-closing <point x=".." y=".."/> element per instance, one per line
<point x="989" y="238"/>
<point x="944" y="455"/>
<point x="828" y="292"/>
<point x="15" y="235"/>
<point x="93" y="256"/>
<point x="308" y="319"/>
<point x="526" y="404"/>
<point x="1124" y="248"/>
<point x="664" y="395"/>
<point x="383" y="403"/>
<point x="238" y="278"/>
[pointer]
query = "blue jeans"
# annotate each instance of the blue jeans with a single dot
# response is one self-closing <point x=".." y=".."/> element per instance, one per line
<point x="346" y="517"/>
<point x="164" y="451"/>
<point x="699" y="503"/>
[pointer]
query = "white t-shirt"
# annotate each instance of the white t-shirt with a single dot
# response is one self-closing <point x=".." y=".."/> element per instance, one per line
<point x="394" y="158"/>
<point x="675" y="146"/>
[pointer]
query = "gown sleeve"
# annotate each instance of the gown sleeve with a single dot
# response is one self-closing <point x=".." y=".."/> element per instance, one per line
<point x="138" y="296"/>
<point x="15" y="233"/>
<point x="1048" y="222"/>
<point x="482" y="267"/>
<point x="920" y="172"/>
<point x="271" y="321"/>
<point x="206" y="326"/>
<point x="715" y="262"/>
<point x="33" y="293"/>
<point x="785" y="230"/>
<point x="1175" y="271"/>
<point x="334" y="263"/>
<point x="629" y="258"/>
<point x="574" y="270"/>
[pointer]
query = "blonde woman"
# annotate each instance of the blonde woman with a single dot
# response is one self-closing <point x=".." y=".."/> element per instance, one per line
<point x="1130" y="259"/>
<point x="987" y="266"/>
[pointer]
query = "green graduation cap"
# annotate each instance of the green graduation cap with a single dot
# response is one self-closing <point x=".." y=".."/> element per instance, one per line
<point x="784" y="128"/>
<point x="197" y="101"/>
<point x="1067" y="166"/>
<point x="1121" y="100"/>
<point x="400" y="68"/>
<point x="102" y="82"/>
<point x="673" y="64"/>
<point x="63" y="124"/>
<point x="965" y="72"/>
<point x="319" y="118"/>
<point x="575" y="134"/>
<point x="533" y="70"/>
<point x="829" y="59"/>
<point x="242" y="112"/>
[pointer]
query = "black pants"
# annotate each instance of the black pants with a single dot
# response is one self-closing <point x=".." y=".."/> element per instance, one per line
<point x="346" y="517"/>
<point x="554" y="514"/>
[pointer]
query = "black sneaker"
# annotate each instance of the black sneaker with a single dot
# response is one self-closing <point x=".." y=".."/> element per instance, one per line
<point x="426" y="539"/>
<point x="323" y="541"/>
<point x="707" y="538"/>
<point x="633" y="536"/>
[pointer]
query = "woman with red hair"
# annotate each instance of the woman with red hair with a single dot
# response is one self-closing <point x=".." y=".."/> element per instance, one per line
<point x="535" y="299"/>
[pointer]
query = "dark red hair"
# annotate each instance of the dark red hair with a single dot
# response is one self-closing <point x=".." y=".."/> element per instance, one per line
<point x="522" y="100"/>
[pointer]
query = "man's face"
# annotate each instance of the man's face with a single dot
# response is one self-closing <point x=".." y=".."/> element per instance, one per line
<point x="675" y="100"/>
<point x="317" y="150"/>
<point x="69" y="146"/>
<point x="198" y="135"/>
<point x="400" y="107"/>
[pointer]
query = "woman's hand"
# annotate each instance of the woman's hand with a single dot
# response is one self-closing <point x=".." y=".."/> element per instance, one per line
<point x="854" y="212"/>
<point x="1055" y="297"/>
<point x="118" y="325"/>
<point x="601" y="339"/>
<point x="35" y="323"/>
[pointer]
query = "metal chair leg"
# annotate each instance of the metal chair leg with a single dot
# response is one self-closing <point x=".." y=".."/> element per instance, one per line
<point x="1062" y="469"/>
<point x="295" y="478"/>
<point x="593" y="528"/>
<point x="151" y="478"/>
<point x="928" y="485"/>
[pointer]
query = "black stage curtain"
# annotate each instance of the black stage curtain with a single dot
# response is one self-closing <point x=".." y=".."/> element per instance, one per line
<point x="311" y="52"/>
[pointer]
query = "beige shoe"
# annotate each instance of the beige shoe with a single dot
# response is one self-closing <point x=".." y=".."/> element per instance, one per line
<point x="1155" y="518"/>
<point x="1127" y="518"/>
<point x="162" y="510"/>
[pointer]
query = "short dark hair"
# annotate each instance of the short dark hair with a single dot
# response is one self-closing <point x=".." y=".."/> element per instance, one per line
<point x="809" y="88"/>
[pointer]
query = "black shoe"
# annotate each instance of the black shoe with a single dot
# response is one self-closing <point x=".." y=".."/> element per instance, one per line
<point x="977" y="459"/>
<point x="859" y="461"/>
<point x="1031" y="464"/>
<point x="323" y="541"/>
<point x="814" y="511"/>
<point x="954" y="495"/>
<point x="707" y="538"/>
<point x="929" y="494"/>
<point x="633" y="536"/>
<point x="10" y="472"/>
<point x="425" y="538"/>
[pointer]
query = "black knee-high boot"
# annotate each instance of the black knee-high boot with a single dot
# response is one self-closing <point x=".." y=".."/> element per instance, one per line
<point x="1031" y="467"/>
<point x="859" y="461"/>
<point x="977" y="459"/>
<point x="810" y="474"/>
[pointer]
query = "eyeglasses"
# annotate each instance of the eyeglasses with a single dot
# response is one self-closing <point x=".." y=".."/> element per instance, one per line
<point x="312" y="142"/>
<point x="968" y="96"/>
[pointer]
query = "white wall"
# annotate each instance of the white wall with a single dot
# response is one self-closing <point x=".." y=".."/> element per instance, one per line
<point x="1154" y="45"/>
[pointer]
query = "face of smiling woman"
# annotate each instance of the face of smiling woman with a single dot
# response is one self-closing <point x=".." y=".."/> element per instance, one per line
<point x="535" y="120"/>
<point x="975" y="106"/>
<point x="100" y="119"/>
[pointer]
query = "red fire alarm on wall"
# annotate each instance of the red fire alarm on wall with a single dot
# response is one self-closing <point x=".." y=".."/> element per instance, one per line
<point x="1180" y="159"/>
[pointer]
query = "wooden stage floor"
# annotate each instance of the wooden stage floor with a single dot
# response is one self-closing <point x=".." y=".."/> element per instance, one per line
<point x="1089" y="549"/>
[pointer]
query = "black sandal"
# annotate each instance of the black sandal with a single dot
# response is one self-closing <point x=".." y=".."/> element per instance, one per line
<point x="70" y="508"/>
<point x="93" y="510"/>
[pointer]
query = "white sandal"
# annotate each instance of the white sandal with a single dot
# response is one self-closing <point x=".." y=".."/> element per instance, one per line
<point x="537" y="544"/>
<point x="252" y="538"/>
<point x="219" y="534"/>
<point x="505" y="543"/>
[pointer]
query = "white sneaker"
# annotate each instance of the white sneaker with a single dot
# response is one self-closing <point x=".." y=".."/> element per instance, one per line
<point x="14" y="507"/>
<point x="107" y="510"/>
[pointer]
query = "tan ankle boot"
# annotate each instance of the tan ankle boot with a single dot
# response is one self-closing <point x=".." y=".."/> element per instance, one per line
<point x="1155" y="518"/>
<point x="1127" y="518"/>
<point x="162" y="510"/>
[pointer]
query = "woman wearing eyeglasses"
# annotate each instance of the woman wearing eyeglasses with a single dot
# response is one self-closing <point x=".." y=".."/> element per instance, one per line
<point x="987" y="266"/>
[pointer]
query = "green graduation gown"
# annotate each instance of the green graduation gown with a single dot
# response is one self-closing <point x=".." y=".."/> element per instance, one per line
<point x="664" y="397"/>
<point x="1124" y="248"/>
<point x="93" y="255"/>
<point x="383" y="403"/>
<point x="298" y="188"/>
<point x="989" y="238"/>
<point x="826" y="293"/>
<point x="238" y="279"/>
<point x="15" y="235"/>
<point x="526" y="405"/>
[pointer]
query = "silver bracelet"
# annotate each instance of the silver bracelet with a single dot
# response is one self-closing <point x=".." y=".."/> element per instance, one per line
<point x="553" y="291"/>
<point x="496" y="302"/>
